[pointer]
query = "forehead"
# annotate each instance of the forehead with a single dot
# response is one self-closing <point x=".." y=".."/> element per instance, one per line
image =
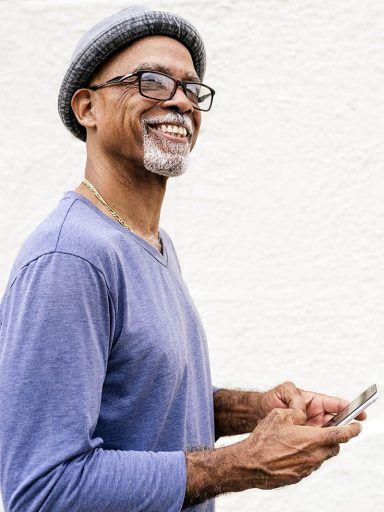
<point x="162" y="53"/>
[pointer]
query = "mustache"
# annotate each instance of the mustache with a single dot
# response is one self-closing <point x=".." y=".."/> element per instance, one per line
<point x="170" y="118"/>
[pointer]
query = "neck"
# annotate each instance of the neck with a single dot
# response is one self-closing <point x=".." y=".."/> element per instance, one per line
<point x="135" y="195"/>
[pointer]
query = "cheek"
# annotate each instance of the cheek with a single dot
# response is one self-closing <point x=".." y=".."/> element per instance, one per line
<point x="122" y="113"/>
<point x="123" y="120"/>
<point x="108" y="126"/>
<point x="124" y="125"/>
<point x="114" y="133"/>
<point x="131" y="123"/>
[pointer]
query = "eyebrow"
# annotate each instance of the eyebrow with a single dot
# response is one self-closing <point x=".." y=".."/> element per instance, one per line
<point x="146" y="66"/>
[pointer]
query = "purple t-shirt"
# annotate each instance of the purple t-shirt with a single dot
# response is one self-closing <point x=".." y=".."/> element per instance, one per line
<point x="104" y="370"/>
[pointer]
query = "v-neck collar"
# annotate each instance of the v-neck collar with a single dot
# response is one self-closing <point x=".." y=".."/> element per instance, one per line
<point x="160" y="257"/>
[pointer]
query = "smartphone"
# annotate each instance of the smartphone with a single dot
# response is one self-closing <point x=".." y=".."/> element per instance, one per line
<point x="354" y="408"/>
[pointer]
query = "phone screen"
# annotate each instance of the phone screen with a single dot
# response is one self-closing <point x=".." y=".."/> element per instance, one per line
<point x="355" y="407"/>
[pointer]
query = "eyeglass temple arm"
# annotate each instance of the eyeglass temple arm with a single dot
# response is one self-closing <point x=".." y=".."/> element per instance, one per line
<point x="112" y="81"/>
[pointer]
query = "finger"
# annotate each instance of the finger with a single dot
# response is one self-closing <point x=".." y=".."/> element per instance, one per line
<point x="332" y="404"/>
<point x="323" y="454"/>
<point x="329" y="452"/>
<point x="337" y="435"/>
<point x="292" y="397"/>
<point x="362" y="416"/>
<point x="333" y="451"/>
<point x="320" y="403"/>
<point x="297" y="402"/>
<point x="295" y="416"/>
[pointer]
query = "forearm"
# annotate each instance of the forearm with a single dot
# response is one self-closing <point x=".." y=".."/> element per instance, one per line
<point x="210" y="473"/>
<point x="236" y="412"/>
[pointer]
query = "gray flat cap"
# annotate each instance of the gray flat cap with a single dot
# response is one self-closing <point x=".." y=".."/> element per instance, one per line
<point x="114" y="33"/>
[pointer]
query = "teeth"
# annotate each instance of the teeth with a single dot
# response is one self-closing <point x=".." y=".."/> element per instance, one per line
<point x="179" y="131"/>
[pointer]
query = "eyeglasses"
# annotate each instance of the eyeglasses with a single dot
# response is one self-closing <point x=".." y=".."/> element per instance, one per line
<point x="162" y="87"/>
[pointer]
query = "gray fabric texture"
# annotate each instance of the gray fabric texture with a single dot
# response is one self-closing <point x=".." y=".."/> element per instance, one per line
<point x="113" y="34"/>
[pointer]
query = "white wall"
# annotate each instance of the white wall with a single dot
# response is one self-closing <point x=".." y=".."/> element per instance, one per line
<point x="278" y="223"/>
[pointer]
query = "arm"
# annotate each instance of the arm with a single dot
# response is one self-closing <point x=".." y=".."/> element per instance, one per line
<point x="280" y="451"/>
<point x="238" y="412"/>
<point x="57" y="331"/>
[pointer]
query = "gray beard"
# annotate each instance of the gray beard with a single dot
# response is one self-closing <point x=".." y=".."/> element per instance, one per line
<point x="163" y="156"/>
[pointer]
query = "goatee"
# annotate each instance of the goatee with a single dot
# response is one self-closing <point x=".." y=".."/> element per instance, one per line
<point x="163" y="156"/>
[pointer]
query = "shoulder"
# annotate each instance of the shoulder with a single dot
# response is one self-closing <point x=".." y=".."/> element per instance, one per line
<point x="75" y="229"/>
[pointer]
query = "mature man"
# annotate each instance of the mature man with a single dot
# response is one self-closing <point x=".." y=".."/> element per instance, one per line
<point x="105" y="387"/>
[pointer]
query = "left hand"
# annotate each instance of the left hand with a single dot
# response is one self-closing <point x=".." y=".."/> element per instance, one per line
<point x="317" y="407"/>
<point x="321" y="408"/>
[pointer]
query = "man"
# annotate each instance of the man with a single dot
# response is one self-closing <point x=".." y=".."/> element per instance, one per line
<point x="105" y="389"/>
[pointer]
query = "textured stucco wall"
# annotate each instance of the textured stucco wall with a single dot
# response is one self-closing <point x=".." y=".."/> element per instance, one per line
<point x="279" y="221"/>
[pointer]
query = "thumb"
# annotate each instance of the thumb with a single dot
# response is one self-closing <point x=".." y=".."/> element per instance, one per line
<point x="297" y="416"/>
<point x="293" y="398"/>
<point x="297" y="402"/>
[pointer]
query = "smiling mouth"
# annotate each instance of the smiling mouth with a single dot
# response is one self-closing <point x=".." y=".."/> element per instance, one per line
<point x="173" y="132"/>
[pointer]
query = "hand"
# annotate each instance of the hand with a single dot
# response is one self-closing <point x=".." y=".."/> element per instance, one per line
<point x="284" y="396"/>
<point x="282" y="450"/>
<point x="317" y="408"/>
<point x="321" y="408"/>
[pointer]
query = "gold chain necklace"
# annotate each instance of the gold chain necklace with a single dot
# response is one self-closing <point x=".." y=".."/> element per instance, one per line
<point x="111" y="210"/>
<point x="95" y="192"/>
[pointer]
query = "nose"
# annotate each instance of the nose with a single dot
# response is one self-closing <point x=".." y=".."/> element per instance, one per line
<point x="179" y="102"/>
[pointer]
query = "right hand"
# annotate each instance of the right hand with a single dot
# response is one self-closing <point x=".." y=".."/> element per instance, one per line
<point x="282" y="450"/>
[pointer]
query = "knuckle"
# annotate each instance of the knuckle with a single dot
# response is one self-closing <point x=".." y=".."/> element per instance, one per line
<point x="316" y="459"/>
<point x="276" y="413"/>
<point x="295" y="479"/>
<point x="312" y="461"/>
<point x="270" y="416"/>
<point x="335" y="450"/>
<point x="294" y="475"/>
<point x="334" y="437"/>
<point x="343" y="435"/>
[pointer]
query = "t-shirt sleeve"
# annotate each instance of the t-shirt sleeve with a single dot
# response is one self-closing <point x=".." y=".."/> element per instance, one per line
<point x="56" y="332"/>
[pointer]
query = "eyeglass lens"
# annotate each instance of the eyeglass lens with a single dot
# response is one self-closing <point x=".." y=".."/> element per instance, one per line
<point x="161" y="87"/>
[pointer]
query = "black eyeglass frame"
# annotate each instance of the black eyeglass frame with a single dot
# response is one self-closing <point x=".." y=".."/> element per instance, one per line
<point x="121" y="80"/>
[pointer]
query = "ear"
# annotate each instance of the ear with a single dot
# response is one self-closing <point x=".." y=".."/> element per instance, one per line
<point x="82" y="106"/>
